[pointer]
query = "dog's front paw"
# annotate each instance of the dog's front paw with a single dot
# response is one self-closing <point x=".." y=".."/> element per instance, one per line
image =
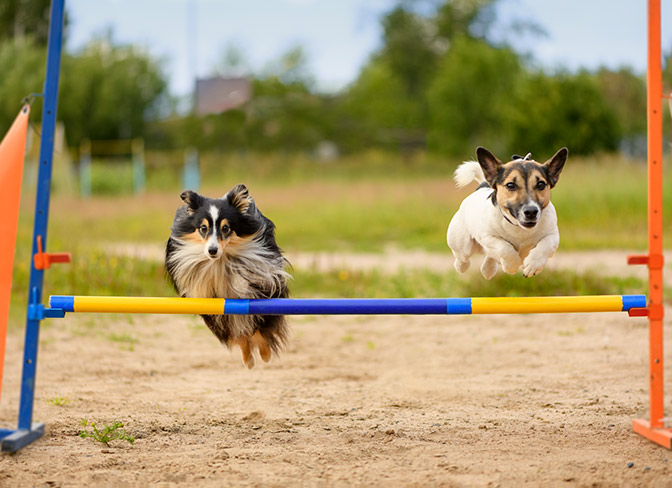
<point x="533" y="264"/>
<point x="462" y="266"/>
<point x="510" y="264"/>
<point x="489" y="268"/>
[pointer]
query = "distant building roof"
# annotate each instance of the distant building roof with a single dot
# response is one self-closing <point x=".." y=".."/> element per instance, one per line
<point x="218" y="94"/>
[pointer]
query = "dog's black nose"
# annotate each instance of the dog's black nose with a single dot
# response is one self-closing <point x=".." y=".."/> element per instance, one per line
<point x="530" y="213"/>
<point x="212" y="251"/>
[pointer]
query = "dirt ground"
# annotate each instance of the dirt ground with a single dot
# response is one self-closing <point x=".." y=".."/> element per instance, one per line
<point x="544" y="400"/>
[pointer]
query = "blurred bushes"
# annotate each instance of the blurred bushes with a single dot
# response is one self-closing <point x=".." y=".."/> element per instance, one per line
<point x="106" y="91"/>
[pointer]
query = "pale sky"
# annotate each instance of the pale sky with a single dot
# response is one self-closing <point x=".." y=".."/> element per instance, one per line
<point x="340" y="35"/>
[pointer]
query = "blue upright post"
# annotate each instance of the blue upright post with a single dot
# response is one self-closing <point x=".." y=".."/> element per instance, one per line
<point x="27" y="430"/>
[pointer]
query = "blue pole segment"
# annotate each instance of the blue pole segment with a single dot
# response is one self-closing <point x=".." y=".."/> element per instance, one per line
<point x="41" y="209"/>
<point x="633" y="301"/>
<point x="359" y="306"/>
<point x="458" y="306"/>
<point x="236" y="306"/>
<point x="64" y="302"/>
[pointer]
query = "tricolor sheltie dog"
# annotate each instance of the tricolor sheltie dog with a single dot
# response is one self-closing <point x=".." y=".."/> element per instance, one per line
<point x="225" y="248"/>
<point x="510" y="217"/>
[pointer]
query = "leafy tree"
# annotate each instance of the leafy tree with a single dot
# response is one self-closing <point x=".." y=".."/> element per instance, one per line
<point x="25" y="19"/>
<point x="108" y="91"/>
<point x="390" y="96"/>
<point x="667" y="72"/>
<point x="667" y="88"/>
<point x="283" y="114"/>
<point x="408" y="49"/>
<point x="470" y="97"/>
<point x="562" y="110"/>
<point x="379" y="98"/>
<point x="232" y="62"/>
<point x="625" y="92"/>
<point x="22" y="66"/>
<point x="471" y="18"/>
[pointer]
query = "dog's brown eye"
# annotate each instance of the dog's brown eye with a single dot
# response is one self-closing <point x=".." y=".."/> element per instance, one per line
<point x="226" y="229"/>
<point x="541" y="185"/>
<point x="203" y="229"/>
<point x="511" y="186"/>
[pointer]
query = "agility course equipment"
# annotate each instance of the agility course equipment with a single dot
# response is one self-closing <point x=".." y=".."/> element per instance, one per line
<point x="654" y="428"/>
<point x="12" y="149"/>
<point x="348" y="306"/>
<point x="635" y="305"/>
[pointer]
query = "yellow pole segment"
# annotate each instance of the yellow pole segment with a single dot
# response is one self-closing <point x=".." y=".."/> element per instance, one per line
<point x="149" y="305"/>
<point x="589" y="303"/>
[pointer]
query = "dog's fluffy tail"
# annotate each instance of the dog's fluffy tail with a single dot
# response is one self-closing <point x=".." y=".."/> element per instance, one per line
<point x="468" y="172"/>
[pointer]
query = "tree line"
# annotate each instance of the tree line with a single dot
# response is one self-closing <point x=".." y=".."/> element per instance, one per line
<point x="440" y="82"/>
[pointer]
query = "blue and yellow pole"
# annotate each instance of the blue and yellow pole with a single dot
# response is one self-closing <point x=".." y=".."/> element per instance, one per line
<point x="349" y="306"/>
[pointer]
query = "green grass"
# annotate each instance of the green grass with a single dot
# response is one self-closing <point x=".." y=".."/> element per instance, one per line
<point x="107" y="434"/>
<point x="58" y="401"/>
<point x="92" y="272"/>
<point x="425" y="283"/>
<point x="112" y="177"/>
<point x="600" y="204"/>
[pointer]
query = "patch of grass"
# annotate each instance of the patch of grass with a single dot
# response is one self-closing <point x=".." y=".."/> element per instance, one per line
<point x="58" y="401"/>
<point x="425" y="283"/>
<point x="107" y="434"/>
<point x="126" y="341"/>
<point x="112" y="177"/>
<point x="91" y="272"/>
<point x="368" y="202"/>
<point x="348" y="338"/>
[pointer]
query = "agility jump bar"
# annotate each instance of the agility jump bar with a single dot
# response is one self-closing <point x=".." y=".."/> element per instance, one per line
<point x="348" y="306"/>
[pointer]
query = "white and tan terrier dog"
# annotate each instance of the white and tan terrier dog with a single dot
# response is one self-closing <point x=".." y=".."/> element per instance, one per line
<point x="510" y="217"/>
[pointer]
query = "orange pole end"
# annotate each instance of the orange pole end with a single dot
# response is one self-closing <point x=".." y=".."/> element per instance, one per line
<point x="12" y="149"/>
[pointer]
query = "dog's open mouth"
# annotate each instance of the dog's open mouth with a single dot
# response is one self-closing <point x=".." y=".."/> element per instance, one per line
<point x="529" y="224"/>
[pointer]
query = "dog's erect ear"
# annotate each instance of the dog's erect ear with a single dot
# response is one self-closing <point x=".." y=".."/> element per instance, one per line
<point x="239" y="197"/>
<point x="489" y="164"/>
<point x="555" y="165"/>
<point x="192" y="199"/>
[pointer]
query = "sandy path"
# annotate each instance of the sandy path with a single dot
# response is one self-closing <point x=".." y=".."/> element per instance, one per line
<point x="609" y="262"/>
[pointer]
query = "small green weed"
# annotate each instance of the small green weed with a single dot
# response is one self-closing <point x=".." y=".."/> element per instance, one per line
<point x="107" y="434"/>
<point x="127" y="341"/>
<point x="58" y="401"/>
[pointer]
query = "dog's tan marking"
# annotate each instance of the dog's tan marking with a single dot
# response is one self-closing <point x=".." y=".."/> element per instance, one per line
<point x="260" y="343"/>
<point x="525" y="177"/>
<point x="542" y="197"/>
<point x="194" y="237"/>
<point x="235" y="240"/>
<point x="508" y="199"/>
<point x="244" y="343"/>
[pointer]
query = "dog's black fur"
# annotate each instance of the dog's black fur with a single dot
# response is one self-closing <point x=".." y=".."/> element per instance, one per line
<point x="226" y="248"/>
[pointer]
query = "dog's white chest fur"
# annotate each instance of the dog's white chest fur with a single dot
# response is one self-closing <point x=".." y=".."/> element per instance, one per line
<point x="480" y="218"/>
<point x="231" y="276"/>
<point x="480" y="226"/>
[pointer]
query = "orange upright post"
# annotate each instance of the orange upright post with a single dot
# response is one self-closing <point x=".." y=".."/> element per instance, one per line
<point x="654" y="429"/>
<point x="12" y="149"/>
